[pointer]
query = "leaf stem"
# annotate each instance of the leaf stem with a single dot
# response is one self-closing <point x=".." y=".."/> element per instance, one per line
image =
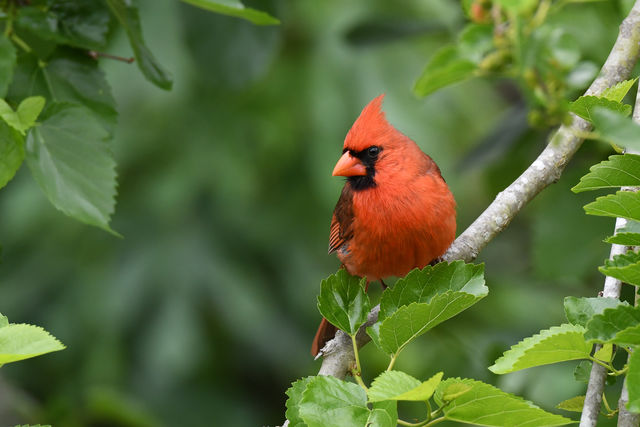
<point x="428" y="409"/>
<point x="392" y="361"/>
<point x="610" y="367"/>
<point x="436" y="421"/>
<point x="357" y="371"/>
<point x="606" y="404"/>
<point x="23" y="45"/>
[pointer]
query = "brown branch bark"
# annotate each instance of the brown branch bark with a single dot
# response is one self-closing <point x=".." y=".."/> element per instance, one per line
<point x="546" y="169"/>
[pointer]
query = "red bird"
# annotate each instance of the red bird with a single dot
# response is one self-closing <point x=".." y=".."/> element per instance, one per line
<point x="395" y="212"/>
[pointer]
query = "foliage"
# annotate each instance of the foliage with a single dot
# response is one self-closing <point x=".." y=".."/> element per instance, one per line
<point x="21" y="341"/>
<point x="414" y="305"/>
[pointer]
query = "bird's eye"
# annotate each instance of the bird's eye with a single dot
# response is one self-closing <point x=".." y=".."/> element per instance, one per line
<point x="373" y="151"/>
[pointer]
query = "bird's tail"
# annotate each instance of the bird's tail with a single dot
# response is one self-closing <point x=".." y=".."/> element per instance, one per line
<point x="326" y="331"/>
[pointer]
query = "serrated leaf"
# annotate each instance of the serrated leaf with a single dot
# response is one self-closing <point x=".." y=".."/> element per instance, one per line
<point x="620" y="325"/>
<point x="415" y="319"/>
<point x="69" y="158"/>
<point x="585" y="105"/>
<point x="618" y="171"/>
<point x="446" y="67"/>
<point x="235" y="8"/>
<point x="20" y="341"/>
<point x="343" y="301"/>
<point x="487" y="405"/>
<point x="582" y="372"/>
<point x="624" y="267"/>
<point x="626" y="239"/>
<point x="624" y="204"/>
<point x="633" y="382"/>
<point x="82" y="24"/>
<point x="629" y="235"/>
<point x="575" y="404"/>
<point x="330" y="402"/>
<point x="557" y="344"/>
<point x="605" y="353"/>
<point x="422" y="285"/>
<point x="7" y="64"/>
<point x="580" y="310"/>
<point x="618" y="91"/>
<point x="455" y="390"/>
<point x="396" y="385"/>
<point x="293" y="402"/>
<point x="11" y="152"/>
<point x="127" y="15"/>
<point x="616" y="128"/>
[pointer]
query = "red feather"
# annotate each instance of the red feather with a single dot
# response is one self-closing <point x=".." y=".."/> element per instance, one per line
<point x="404" y="220"/>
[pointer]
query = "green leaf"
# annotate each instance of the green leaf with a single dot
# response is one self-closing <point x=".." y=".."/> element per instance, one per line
<point x="78" y="79"/>
<point x="380" y="418"/>
<point x="7" y="64"/>
<point x="330" y="402"/>
<point x="235" y="8"/>
<point x="487" y="405"/>
<point x="475" y="41"/>
<point x="446" y="67"/>
<point x="627" y="239"/>
<point x="374" y="332"/>
<point x="585" y="105"/>
<point x="293" y="402"/>
<point x="82" y="24"/>
<point x="127" y="15"/>
<point x="343" y="301"/>
<point x="620" y="325"/>
<point x="68" y="77"/>
<point x="625" y="204"/>
<point x="618" y="91"/>
<point x="25" y="117"/>
<point x="422" y="285"/>
<point x="616" y="128"/>
<point x="605" y="353"/>
<point x="29" y="110"/>
<point x="575" y="404"/>
<point x="4" y="321"/>
<point x="396" y="385"/>
<point x="624" y="267"/>
<point x="20" y="341"/>
<point x="618" y="171"/>
<point x="388" y="406"/>
<point x="415" y="319"/>
<point x="11" y="152"/>
<point x="582" y="371"/>
<point x="558" y="344"/>
<point x="455" y="390"/>
<point x="70" y="160"/>
<point x="580" y="310"/>
<point x="633" y="382"/>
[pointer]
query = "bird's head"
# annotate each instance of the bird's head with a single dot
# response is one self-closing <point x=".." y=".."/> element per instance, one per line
<point x="370" y="143"/>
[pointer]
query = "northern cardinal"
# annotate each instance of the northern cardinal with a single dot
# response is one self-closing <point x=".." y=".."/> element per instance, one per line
<point x="395" y="212"/>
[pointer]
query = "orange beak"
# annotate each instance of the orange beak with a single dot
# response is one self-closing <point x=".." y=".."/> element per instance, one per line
<point x="349" y="166"/>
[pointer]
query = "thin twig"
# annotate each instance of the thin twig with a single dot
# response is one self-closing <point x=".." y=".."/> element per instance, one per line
<point x="546" y="169"/>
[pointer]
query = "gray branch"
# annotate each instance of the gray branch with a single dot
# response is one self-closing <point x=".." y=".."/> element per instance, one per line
<point x="546" y="169"/>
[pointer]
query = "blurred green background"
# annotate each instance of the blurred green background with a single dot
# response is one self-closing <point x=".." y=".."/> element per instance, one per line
<point x="204" y="313"/>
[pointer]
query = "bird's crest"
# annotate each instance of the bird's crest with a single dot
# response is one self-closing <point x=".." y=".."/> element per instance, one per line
<point x="371" y="128"/>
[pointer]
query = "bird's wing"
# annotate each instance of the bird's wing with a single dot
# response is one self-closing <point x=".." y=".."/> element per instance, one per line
<point x="342" y="221"/>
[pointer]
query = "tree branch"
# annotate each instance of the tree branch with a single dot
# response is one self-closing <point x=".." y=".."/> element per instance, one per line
<point x="546" y="169"/>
